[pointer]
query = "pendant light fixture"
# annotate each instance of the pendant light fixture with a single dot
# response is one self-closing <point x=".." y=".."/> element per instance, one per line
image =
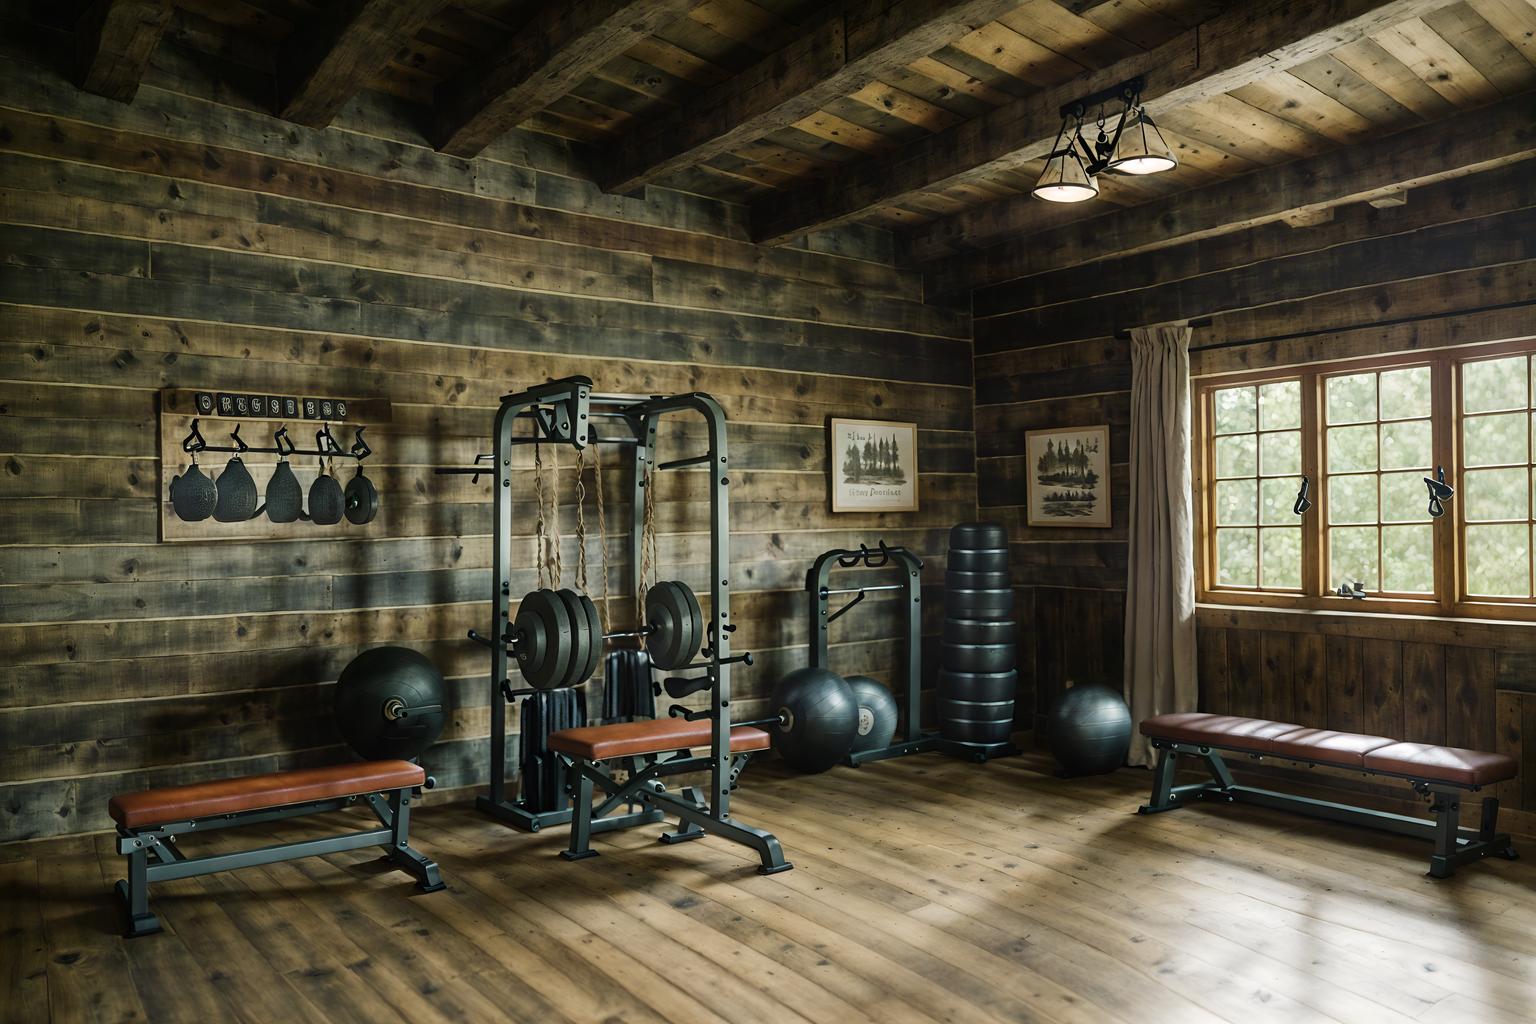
<point x="1136" y="147"/>
<point x="1142" y="149"/>
<point x="1065" y="179"/>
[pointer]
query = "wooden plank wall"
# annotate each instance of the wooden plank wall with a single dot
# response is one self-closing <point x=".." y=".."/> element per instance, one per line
<point x="1455" y="265"/>
<point x="192" y="240"/>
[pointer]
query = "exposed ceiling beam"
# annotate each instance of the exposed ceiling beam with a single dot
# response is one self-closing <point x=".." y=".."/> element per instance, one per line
<point x="842" y="54"/>
<point x="318" y="72"/>
<point x="563" y="44"/>
<point x="1464" y="143"/>
<point x="115" y="39"/>
<point x="1247" y="41"/>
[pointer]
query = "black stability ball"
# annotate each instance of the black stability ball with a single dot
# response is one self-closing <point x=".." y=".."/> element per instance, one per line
<point x="1090" y="730"/>
<point x="877" y="713"/>
<point x="391" y="702"/>
<point x="818" y="719"/>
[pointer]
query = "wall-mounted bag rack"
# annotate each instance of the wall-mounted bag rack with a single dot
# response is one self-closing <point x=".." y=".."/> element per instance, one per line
<point x="252" y="498"/>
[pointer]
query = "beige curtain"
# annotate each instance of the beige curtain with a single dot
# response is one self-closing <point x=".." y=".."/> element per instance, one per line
<point x="1160" y="582"/>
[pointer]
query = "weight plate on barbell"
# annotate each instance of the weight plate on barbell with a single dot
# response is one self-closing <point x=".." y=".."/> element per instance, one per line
<point x="581" y="638"/>
<point x="544" y="639"/>
<point x="696" y="614"/>
<point x="674" y="637"/>
<point x="588" y="623"/>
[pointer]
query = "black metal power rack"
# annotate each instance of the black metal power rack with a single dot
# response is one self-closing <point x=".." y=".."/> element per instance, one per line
<point x="562" y="413"/>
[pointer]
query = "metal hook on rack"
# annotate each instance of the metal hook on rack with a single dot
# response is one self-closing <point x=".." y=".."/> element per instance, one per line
<point x="845" y="609"/>
<point x="326" y="443"/>
<point x="285" y="445"/>
<point x="360" y="449"/>
<point x="193" y="442"/>
<point x="240" y="446"/>
<point x="473" y="472"/>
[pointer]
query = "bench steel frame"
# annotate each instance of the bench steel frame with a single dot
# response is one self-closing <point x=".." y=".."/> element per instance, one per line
<point x="1454" y="845"/>
<point x="562" y="412"/>
<point x="153" y="855"/>
<point x="642" y="784"/>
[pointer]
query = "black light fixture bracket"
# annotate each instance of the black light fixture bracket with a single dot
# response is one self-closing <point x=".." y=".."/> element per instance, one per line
<point x="1128" y="91"/>
<point x="1096" y="155"/>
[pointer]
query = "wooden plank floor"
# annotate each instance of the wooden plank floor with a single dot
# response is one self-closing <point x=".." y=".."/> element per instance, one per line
<point x="924" y="890"/>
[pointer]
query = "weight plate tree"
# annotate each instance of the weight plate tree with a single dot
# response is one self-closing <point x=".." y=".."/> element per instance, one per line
<point x="977" y="680"/>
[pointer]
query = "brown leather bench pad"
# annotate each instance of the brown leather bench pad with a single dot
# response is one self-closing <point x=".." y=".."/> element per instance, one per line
<point x="632" y="739"/>
<point x="1452" y="764"/>
<point x="1339" y="749"/>
<point x="258" y="792"/>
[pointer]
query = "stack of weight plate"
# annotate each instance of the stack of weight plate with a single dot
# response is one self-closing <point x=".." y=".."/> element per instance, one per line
<point x="977" y="676"/>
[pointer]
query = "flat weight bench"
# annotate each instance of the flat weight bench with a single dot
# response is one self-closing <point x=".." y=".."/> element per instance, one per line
<point x="1442" y="774"/>
<point x="149" y="822"/>
<point x="647" y="751"/>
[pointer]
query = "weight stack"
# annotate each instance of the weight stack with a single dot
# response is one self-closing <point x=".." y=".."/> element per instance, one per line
<point x="978" y="661"/>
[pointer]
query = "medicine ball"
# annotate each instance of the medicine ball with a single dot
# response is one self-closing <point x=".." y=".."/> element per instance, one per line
<point x="877" y="713"/>
<point x="391" y="702"/>
<point x="1090" y="730"/>
<point x="818" y="719"/>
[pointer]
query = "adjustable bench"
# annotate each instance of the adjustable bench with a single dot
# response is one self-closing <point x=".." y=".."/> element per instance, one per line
<point x="1441" y="774"/>
<point x="647" y="751"/>
<point x="150" y="822"/>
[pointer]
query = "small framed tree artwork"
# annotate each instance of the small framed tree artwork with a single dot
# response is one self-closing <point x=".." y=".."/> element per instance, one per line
<point x="1068" y="476"/>
<point x="873" y="465"/>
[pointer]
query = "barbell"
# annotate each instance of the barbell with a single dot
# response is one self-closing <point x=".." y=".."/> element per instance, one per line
<point x="557" y="636"/>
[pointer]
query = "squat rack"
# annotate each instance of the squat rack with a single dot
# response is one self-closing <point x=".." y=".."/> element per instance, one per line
<point x="562" y="412"/>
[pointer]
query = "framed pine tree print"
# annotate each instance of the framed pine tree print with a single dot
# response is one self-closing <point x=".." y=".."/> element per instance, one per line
<point x="873" y="466"/>
<point x="1068" y="476"/>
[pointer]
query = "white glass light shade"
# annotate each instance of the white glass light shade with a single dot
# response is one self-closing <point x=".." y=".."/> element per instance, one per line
<point x="1142" y="149"/>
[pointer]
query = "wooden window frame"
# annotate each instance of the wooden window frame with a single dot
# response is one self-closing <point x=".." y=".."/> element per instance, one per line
<point x="1449" y="597"/>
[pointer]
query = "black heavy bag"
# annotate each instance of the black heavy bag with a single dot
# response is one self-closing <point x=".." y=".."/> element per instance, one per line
<point x="237" y="493"/>
<point x="325" y="500"/>
<point x="285" y="498"/>
<point x="193" y="495"/>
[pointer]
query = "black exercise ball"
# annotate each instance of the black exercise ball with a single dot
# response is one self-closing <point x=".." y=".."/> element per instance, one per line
<point x="391" y="702"/>
<point x="1090" y="730"/>
<point x="877" y="713"/>
<point x="818" y="719"/>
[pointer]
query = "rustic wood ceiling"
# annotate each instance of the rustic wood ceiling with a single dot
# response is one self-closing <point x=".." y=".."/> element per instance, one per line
<point x="1435" y="60"/>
